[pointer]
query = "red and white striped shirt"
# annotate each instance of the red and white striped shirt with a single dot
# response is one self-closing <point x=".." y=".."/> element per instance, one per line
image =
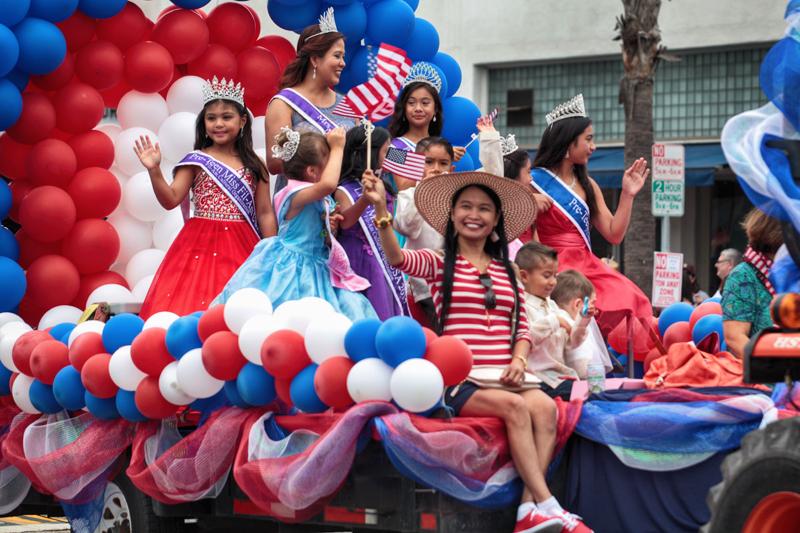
<point x="486" y="331"/>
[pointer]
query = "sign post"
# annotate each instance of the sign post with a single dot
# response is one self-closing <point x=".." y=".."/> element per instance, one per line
<point x="667" y="278"/>
<point x="669" y="170"/>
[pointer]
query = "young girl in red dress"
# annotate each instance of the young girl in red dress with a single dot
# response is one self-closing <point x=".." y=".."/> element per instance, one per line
<point x="230" y="195"/>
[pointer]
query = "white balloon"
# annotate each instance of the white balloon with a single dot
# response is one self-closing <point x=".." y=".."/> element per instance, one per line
<point x="243" y="305"/>
<point x="142" y="110"/>
<point x="58" y="315"/>
<point x="21" y="393"/>
<point x="186" y="94"/>
<point x="123" y="372"/>
<point x="143" y="264"/>
<point x="142" y="286"/>
<point x="417" y="385"/>
<point x="166" y="228"/>
<point x="90" y="326"/>
<point x="110" y="129"/>
<point x="194" y="379"/>
<point x="17" y="325"/>
<point x="134" y="236"/>
<point x="162" y="319"/>
<point x="140" y="200"/>
<point x="176" y="135"/>
<point x="370" y="379"/>
<point x="8" y="317"/>
<point x="254" y="333"/>
<point x="324" y="336"/>
<point x="297" y="314"/>
<point x="259" y="134"/>
<point x="124" y="156"/>
<point x="7" y="346"/>
<point x="111" y="293"/>
<point x="169" y="388"/>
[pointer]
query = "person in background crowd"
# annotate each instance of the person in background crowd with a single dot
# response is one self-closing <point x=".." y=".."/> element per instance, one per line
<point x="727" y="260"/>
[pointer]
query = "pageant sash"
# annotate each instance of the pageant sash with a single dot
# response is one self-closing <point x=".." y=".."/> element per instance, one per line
<point x="342" y="275"/>
<point x="572" y="205"/>
<point x="229" y="181"/>
<point x="393" y="276"/>
<point x="404" y="144"/>
<point x="306" y="109"/>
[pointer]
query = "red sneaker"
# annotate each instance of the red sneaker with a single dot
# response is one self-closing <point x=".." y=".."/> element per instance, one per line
<point x="537" y="522"/>
<point x="572" y="523"/>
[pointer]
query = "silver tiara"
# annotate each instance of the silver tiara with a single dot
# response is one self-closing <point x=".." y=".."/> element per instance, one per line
<point x="426" y="73"/>
<point x="327" y="23"/>
<point x="508" y="144"/>
<point x="289" y="148"/>
<point x="570" y="108"/>
<point x="222" y="90"/>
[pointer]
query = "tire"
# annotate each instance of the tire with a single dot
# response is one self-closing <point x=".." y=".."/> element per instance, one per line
<point x="128" y="510"/>
<point x="760" y="488"/>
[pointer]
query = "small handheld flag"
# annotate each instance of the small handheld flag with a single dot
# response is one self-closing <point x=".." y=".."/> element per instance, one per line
<point x="403" y="163"/>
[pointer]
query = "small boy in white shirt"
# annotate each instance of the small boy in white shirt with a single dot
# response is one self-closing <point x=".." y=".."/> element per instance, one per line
<point x="575" y="296"/>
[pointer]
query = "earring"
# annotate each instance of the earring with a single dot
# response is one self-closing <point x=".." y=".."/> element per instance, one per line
<point x="494" y="236"/>
<point x="241" y="132"/>
<point x="567" y="156"/>
<point x="314" y="74"/>
<point x="434" y="118"/>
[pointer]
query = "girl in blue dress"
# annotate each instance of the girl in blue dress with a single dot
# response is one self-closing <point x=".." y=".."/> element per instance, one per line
<point x="305" y="259"/>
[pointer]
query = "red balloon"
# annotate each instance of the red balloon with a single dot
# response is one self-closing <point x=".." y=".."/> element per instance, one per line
<point x="95" y="191"/>
<point x="256" y="19"/>
<point x="652" y="356"/>
<point x="677" y="332"/>
<point x="211" y="321"/>
<point x="452" y="357"/>
<point x="176" y="75"/>
<point x="148" y="67"/>
<point x="92" y="245"/>
<point x="30" y="249"/>
<point x="52" y="280"/>
<point x="259" y="107"/>
<point x="96" y="378"/>
<point x="281" y="48"/>
<point x="330" y="382"/>
<point x="13" y="158"/>
<point x="78" y="30"/>
<point x="283" y="354"/>
<point x="149" y="351"/>
<point x="93" y="149"/>
<point x="37" y="120"/>
<point x="19" y="190"/>
<point x="707" y="308"/>
<point x="170" y="9"/>
<point x="79" y="107"/>
<point x="59" y="78"/>
<point x="221" y="355"/>
<point x="216" y="61"/>
<point x="112" y="96"/>
<point x="183" y="33"/>
<point x="150" y="402"/>
<point x="224" y="18"/>
<point x="30" y="311"/>
<point x="126" y="28"/>
<point x="258" y="72"/>
<point x="47" y="358"/>
<point x="642" y="343"/>
<point x="430" y="336"/>
<point x="282" y="388"/>
<point x="51" y="162"/>
<point x="84" y="347"/>
<point x="47" y="213"/>
<point x="100" y="64"/>
<point x="21" y="352"/>
<point x="91" y="281"/>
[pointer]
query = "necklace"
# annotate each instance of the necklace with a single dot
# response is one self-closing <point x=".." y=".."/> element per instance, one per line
<point x="574" y="181"/>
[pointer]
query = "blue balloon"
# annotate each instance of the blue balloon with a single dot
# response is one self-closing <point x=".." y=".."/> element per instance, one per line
<point x="390" y="21"/>
<point x="13" y="11"/>
<point x="452" y="71"/>
<point x="414" y="4"/>
<point x="12" y="284"/>
<point x="60" y="330"/>
<point x="255" y="385"/>
<point x="9" y="247"/>
<point x="5" y="199"/>
<point x="19" y="79"/>
<point x="9" y="50"/>
<point x="351" y="20"/>
<point x="474" y="151"/>
<point x="460" y="116"/>
<point x="101" y="9"/>
<point x="717" y="299"/>
<point x="120" y="331"/>
<point x="233" y="394"/>
<point x="182" y="336"/>
<point x="340" y="3"/>
<point x="53" y="10"/>
<point x="125" y="403"/>
<point x="207" y="405"/>
<point x="677" y="312"/>
<point x="424" y="41"/>
<point x="706" y="326"/>
<point x="465" y="164"/>
<point x="102" y="408"/>
<point x="358" y="67"/>
<point x="302" y="392"/>
<point x="11" y="107"/>
<point x="43" y="399"/>
<point x="398" y="339"/>
<point x="68" y="389"/>
<point x="294" y="17"/>
<point x="359" y="342"/>
<point x="42" y="46"/>
<point x="5" y="377"/>
<point x="190" y="4"/>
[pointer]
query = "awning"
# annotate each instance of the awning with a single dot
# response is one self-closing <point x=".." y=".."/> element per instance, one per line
<point x="607" y="165"/>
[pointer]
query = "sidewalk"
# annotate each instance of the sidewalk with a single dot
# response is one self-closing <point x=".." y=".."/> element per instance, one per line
<point x="25" y="523"/>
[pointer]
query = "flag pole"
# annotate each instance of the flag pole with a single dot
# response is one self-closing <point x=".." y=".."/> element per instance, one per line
<point x="368" y="129"/>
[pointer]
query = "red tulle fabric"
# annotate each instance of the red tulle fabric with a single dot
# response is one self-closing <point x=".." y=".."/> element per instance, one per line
<point x="617" y="296"/>
<point x="14" y="453"/>
<point x="7" y="415"/>
<point x="203" y="257"/>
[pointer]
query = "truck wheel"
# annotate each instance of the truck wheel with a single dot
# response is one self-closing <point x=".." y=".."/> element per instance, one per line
<point x="128" y="510"/>
<point x="760" y="488"/>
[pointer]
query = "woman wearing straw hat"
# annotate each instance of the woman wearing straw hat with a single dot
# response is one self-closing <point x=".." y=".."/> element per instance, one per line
<point x="478" y="299"/>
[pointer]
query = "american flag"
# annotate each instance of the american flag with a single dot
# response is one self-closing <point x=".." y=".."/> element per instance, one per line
<point x="375" y="98"/>
<point x="403" y="163"/>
